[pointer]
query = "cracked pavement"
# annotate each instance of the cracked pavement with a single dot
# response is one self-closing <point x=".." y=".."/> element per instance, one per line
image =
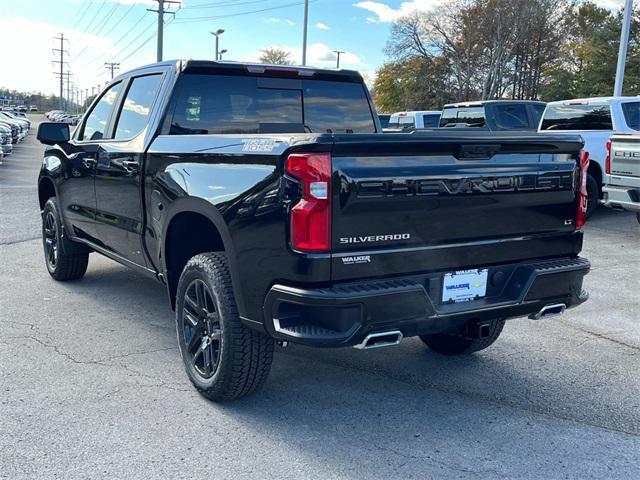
<point x="92" y="384"/>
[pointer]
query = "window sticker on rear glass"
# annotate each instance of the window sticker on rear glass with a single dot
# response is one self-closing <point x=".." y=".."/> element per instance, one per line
<point x="258" y="145"/>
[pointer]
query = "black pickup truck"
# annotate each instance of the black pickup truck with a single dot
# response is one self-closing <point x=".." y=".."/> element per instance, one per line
<point x="273" y="210"/>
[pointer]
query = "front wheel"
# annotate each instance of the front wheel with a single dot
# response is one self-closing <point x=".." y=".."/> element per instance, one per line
<point x="458" y="343"/>
<point x="65" y="260"/>
<point x="224" y="359"/>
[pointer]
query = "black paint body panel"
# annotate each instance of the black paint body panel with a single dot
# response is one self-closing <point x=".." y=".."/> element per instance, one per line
<point x="120" y="197"/>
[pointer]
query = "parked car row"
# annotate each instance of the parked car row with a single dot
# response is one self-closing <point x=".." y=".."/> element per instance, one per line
<point x="63" y="117"/>
<point x="14" y="127"/>
<point x="14" y="108"/>
<point x="595" y="119"/>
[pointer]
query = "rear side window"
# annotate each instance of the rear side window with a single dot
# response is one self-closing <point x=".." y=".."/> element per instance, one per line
<point x="577" y="117"/>
<point x="511" y="117"/>
<point x="431" y="120"/>
<point x="462" y="117"/>
<point x="631" y="112"/>
<point x="137" y="106"/>
<point x="220" y="104"/>
<point x="96" y="124"/>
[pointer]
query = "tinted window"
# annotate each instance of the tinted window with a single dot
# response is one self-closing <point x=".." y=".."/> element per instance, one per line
<point x="538" y="110"/>
<point x="137" y="106"/>
<point x="96" y="124"/>
<point x="384" y="120"/>
<point x="577" y="117"/>
<point x="462" y="117"/>
<point x="228" y="104"/>
<point x="511" y="117"/>
<point x="632" y="114"/>
<point x="431" y="120"/>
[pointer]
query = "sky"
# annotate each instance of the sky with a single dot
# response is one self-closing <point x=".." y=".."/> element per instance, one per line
<point x="100" y="31"/>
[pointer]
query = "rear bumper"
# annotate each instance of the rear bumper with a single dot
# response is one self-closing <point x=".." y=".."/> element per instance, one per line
<point x="342" y="315"/>
<point x="627" y="198"/>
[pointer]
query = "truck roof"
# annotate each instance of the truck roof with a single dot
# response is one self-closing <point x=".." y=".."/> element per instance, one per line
<point x="480" y="103"/>
<point x="228" y="66"/>
<point x="595" y="100"/>
<point x="417" y="112"/>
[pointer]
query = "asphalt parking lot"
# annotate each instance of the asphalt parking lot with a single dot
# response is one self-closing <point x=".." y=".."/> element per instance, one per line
<point x="92" y="384"/>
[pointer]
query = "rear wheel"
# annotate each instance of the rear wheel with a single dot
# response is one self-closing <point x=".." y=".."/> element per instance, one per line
<point x="65" y="260"/>
<point x="457" y="343"/>
<point x="224" y="359"/>
<point x="593" y="195"/>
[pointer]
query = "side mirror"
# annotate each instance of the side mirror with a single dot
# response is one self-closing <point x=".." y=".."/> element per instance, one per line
<point x="51" y="133"/>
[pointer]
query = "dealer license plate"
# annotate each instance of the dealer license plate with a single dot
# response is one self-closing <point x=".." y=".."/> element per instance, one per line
<point x="464" y="285"/>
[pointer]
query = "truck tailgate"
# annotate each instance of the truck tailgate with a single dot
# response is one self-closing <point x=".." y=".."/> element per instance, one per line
<point x="440" y="200"/>
<point x="625" y="156"/>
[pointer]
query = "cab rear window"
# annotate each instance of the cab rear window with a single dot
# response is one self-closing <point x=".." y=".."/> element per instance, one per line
<point x="225" y="104"/>
<point x="577" y="117"/>
<point x="463" y="117"/>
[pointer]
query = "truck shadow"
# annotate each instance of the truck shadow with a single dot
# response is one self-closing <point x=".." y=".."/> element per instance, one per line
<point x="534" y="366"/>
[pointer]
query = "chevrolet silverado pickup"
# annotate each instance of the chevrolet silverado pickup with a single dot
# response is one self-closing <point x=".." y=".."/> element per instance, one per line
<point x="273" y="209"/>
<point x="622" y="173"/>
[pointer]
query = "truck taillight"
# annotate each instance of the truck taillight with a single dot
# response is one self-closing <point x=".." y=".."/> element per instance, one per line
<point x="583" y="198"/>
<point x="310" y="220"/>
<point x="607" y="161"/>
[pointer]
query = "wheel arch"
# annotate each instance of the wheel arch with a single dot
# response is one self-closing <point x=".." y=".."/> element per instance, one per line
<point x="178" y="243"/>
<point x="46" y="190"/>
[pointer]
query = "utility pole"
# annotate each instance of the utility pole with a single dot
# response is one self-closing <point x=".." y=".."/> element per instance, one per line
<point x="624" y="44"/>
<point x="217" y="34"/>
<point x="304" y="32"/>
<point x="62" y="51"/>
<point x="338" y="52"/>
<point x="111" y="66"/>
<point x="161" y="13"/>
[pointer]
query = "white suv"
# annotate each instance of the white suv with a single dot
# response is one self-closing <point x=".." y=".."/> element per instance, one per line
<point x="595" y="119"/>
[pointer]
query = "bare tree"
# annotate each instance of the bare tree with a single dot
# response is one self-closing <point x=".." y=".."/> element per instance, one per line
<point x="275" y="56"/>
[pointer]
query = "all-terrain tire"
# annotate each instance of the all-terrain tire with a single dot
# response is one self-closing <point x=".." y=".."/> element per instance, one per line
<point x="457" y="343"/>
<point x="65" y="259"/>
<point x="593" y="192"/>
<point x="244" y="356"/>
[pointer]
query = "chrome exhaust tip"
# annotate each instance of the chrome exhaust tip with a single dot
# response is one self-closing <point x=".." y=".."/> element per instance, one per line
<point x="549" y="311"/>
<point x="380" y="339"/>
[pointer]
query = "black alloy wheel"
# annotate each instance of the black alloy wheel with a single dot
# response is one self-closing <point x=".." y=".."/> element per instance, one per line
<point x="201" y="328"/>
<point x="50" y="239"/>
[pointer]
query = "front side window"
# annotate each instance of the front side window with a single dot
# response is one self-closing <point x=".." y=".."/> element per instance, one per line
<point x="577" y="117"/>
<point x="221" y="104"/>
<point x="137" y="106"/>
<point x="631" y="112"/>
<point x="96" y="124"/>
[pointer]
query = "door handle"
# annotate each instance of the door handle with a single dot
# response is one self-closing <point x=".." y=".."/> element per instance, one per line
<point x="130" y="164"/>
<point x="89" y="162"/>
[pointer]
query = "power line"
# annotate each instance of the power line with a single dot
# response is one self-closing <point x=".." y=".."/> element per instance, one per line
<point x="84" y="12"/>
<point x="216" y="17"/>
<point x="104" y="2"/>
